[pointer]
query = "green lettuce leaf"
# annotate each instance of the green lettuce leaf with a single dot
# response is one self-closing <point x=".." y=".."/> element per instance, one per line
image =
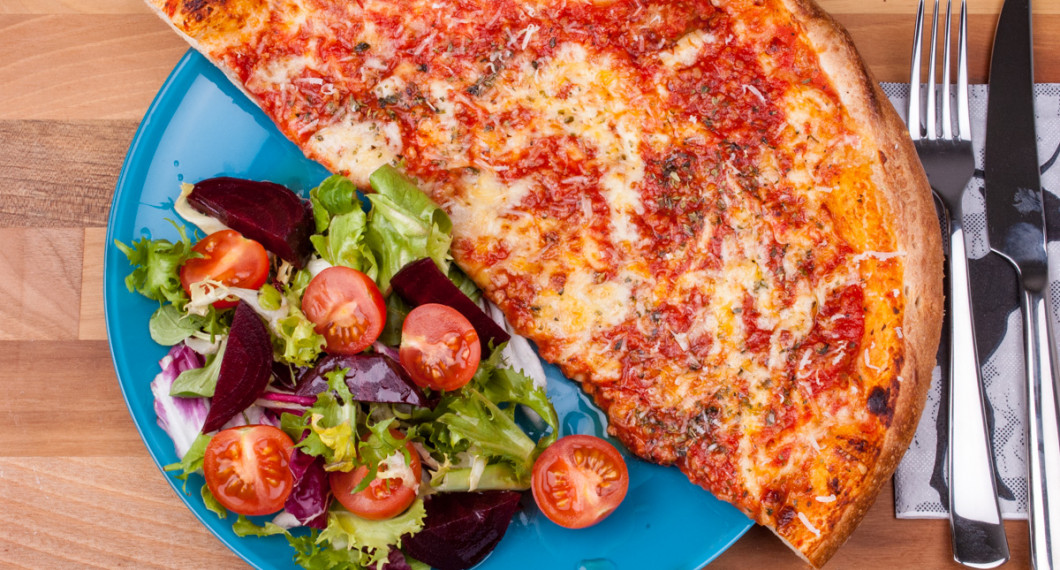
<point x="311" y="555"/>
<point x="479" y="421"/>
<point x="464" y="283"/>
<point x="345" y="244"/>
<point x="396" y="311"/>
<point x="296" y="340"/>
<point x="212" y="504"/>
<point x="336" y="195"/>
<point x="503" y="385"/>
<point x="157" y="264"/>
<point x="169" y="325"/>
<point x="489" y="431"/>
<point x="245" y="527"/>
<point x="332" y="425"/>
<point x="404" y="225"/>
<point x="347" y="531"/>
<point x="192" y="460"/>
<point x="200" y="381"/>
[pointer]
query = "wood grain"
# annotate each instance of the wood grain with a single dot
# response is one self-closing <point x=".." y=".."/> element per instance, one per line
<point x="60" y="173"/>
<point x="91" y="324"/>
<point x="83" y="66"/>
<point x="61" y="399"/>
<point x="88" y="512"/>
<point x="43" y="269"/>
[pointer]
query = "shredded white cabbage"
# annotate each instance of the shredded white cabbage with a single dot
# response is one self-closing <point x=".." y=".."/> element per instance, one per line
<point x="206" y="292"/>
<point x="518" y="354"/>
<point x="395" y="467"/>
<point x="478" y="466"/>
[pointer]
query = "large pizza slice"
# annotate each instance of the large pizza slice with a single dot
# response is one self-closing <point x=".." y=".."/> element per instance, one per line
<point x="703" y="210"/>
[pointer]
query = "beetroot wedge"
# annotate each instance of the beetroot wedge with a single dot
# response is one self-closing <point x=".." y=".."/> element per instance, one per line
<point x="421" y="282"/>
<point x="262" y="211"/>
<point x="246" y="367"/>
<point x="461" y="528"/>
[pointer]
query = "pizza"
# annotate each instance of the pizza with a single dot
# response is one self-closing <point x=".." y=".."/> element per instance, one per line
<point x="705" y="211"/>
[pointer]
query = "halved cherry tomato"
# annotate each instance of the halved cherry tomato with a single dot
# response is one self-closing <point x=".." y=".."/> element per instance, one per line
<point x="439" y="347"/>
<point x="247" y="469"/>
<point x="579" y="480"/>
<point x="227" y="257"/>
<point x="346" y="307"/>
<point x="383" y="498"/>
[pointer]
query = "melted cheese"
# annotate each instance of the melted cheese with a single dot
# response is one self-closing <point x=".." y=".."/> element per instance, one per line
<point x="357" y="148"/>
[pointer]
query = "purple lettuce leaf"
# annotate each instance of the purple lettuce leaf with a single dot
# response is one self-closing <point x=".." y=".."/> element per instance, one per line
<point x="181" y="418"/>
<point x="308" y="502"/>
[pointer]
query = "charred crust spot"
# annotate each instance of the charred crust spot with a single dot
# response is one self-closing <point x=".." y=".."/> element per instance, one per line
<point x="883" y="158"/>
<point x="199" y="10"/>
<point x="879" y="403"/>
<point x="833" y="485"/>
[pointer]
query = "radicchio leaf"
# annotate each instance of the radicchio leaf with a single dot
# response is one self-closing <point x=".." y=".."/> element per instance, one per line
<point x="396" y="561"/>
<point x="181" y="418"/>
<point x="371" y="378"/>
<point x="308" y="501"/>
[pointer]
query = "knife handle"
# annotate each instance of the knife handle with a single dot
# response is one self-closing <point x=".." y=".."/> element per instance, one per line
<point x="975" y="520"/>
<point x="1043" y="439"/>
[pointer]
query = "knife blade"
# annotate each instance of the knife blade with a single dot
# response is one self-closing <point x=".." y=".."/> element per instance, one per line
<point x="1016" y="230"/>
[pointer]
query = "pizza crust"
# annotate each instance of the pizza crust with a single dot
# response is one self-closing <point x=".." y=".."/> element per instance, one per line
<point x="906" y="189"/>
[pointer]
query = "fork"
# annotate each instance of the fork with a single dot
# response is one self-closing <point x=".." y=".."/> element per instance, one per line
<point x="975" y="520"/>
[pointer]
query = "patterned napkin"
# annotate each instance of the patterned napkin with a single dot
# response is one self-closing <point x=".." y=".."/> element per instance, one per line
<point x="920" y="481"/>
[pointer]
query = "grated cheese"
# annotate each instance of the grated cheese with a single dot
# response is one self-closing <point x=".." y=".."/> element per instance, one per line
<point x="810" y="527"/>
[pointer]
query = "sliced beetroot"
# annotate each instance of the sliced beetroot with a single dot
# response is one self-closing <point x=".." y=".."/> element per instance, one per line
<point x="245" y="368"/>
<point x="460" y="529"/>
<point x="371" y="378"/>
<point x="421" y="282"/>
<point x="308" y="501"/>
<point x="265" y="212"/>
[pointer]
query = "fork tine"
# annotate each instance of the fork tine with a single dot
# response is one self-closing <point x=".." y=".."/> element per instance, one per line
<point x="932" y="101"/>
<point x="947" y="114"/>
<point x="912" y="116"/>
<point x="964" y="126"/>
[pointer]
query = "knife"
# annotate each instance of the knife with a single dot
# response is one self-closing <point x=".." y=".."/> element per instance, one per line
<point x="1016" y="229"/>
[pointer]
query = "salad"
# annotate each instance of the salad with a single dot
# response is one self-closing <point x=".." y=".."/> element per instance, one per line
<point x="332" y="371"/>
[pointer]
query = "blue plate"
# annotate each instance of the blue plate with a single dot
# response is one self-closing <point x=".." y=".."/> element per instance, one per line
<point x="201" y="126"/>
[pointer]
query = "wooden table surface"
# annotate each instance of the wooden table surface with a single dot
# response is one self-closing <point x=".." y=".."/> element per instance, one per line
<point x="77" y="487"/>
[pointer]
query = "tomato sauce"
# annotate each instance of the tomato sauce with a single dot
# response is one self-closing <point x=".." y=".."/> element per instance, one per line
<point x="834" y="343"/>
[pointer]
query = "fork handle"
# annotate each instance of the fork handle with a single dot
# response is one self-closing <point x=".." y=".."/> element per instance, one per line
<point x="978" y="534"/>
<point x="1043" y="440"/>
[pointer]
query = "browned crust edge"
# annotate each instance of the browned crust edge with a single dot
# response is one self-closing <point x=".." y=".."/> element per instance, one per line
<point x="905" y="187"/>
